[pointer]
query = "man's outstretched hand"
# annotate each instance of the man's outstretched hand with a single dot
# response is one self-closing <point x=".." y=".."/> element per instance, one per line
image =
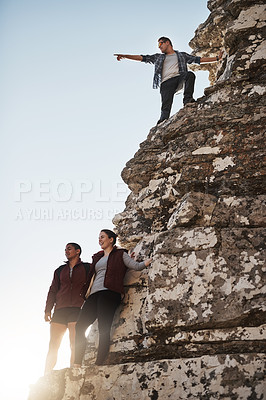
<point x="119" y="56"/>
<point x="221" y="54"/>
<point x="129" y="57"/>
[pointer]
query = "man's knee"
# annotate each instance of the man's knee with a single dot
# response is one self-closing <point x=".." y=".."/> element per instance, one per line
<point x="54" y="343"/>
<point x="191" y="75"/>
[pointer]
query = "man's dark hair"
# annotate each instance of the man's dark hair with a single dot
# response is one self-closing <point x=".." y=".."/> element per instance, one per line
<point x="76" y="247"/>
<point x="110" y="234"/>
<point x="165" y="39"/>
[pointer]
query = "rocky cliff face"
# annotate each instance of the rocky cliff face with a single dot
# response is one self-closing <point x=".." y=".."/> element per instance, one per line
<point x="191" y="326"/>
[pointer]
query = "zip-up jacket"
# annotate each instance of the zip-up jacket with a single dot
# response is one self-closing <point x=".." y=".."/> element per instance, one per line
<point x="115" y="272"/>
<point x="65" y="290"/>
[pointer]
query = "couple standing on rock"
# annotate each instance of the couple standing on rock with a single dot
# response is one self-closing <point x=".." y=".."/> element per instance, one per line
<point x="100" y="284"/>
<point x="171" y="73"/>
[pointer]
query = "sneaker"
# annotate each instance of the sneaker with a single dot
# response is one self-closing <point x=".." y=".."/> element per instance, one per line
<point x="160" y="121"/>
<point x="189" y="101"/>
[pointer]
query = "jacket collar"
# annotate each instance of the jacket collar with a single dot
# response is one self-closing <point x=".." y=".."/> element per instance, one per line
<point x="79" y="262"/>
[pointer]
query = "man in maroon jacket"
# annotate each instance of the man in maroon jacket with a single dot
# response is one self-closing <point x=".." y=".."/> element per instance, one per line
<point x="64" y="297"/>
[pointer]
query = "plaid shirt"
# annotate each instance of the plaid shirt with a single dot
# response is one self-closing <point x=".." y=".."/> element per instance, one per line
<point x="158" y="60"/>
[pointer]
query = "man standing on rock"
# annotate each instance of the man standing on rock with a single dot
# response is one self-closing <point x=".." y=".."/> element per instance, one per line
<point x="171" y="73"/>
<point x="64" y="297"/>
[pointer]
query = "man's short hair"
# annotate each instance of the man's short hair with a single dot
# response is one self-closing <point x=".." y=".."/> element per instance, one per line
<point x="76" y="247"/>
<point x="165" y="39"/>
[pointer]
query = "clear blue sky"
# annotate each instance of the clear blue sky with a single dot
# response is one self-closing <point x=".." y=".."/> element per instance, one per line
<point x="71" y="117"/>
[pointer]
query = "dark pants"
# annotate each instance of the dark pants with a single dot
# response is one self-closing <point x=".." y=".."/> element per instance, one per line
<point x="169" y="87"/>
<point x="101" y="305"/>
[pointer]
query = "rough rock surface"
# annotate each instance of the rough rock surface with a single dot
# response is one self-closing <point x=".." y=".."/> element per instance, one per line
<point x="192" y="326"/>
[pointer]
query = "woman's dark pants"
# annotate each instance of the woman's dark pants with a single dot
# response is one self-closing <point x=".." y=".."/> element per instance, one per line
<point x="101" y="305"/>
